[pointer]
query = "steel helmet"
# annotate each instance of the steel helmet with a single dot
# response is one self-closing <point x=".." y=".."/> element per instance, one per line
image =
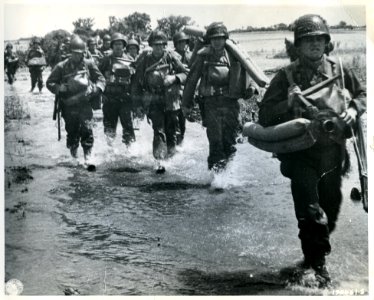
<point x="106" y="37"/>
<point x="310" y="25"/>
<point x="216" y="29"/>
<point x="37" y="41"/>
<point x="180" y="36"/>
<point x="77" y="45"/>
<point x="118" y="37"/>
<point x="157" y="37"/>
<point x="9" y="45"/>
<point x="91" y="40"/>
<point x="133" y="42"/>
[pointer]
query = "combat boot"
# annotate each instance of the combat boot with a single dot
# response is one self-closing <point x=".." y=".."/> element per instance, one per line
<point x="322" y="276"/>
<point x="88" y="161"/>
<point x="74" y="152"/>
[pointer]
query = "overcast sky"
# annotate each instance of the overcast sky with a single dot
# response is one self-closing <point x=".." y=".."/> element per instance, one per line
<point x="25" y="19"/>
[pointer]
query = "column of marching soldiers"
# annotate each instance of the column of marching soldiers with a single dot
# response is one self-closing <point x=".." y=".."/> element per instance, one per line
<point x="166" y="84"/>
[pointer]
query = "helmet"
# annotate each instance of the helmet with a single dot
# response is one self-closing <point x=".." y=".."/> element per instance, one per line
<point x="157" y="37"/>
<point x="216" y="29"/>
<point x="310" y="25"/>
<point x="106" y="37"/>
<point x="77" y="45"/>
<point x="91" y="40"/>
<point x="180" y="36"/>
<point x="67" y="40"/>
<point x="118" y="37"/>
<point x="9" y="45"/>
<point x="37" y="41"/>
<point x="133" y="42"/>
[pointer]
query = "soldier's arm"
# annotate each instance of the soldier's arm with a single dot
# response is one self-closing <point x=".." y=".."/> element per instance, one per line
<point x="181" y="70"/>
<point x="274" y="105"/>
<point x="137" y="83"/>
<point x="96" y="76"/>
<point x="191" y="82"/>
<point x="54" y="80"/>
<point x="357" y="90"/>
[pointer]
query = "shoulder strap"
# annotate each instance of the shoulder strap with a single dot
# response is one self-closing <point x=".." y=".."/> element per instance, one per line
<point x="289" y="70"/>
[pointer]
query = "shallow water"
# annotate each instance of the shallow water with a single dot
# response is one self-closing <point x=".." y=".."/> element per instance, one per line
<point x="123" y="230"/>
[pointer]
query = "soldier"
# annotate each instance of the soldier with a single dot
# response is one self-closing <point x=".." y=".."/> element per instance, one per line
<point x="76" y="81"/>
<point x="118" y="71"/>
<point x="65" y="51"/>
<point x="105" y="49"/>
<point x="155" y="88"/>
<point x="35" y="59"/>
<point x="10" y="63"/>
<point x="96" y="55"/>
<point x="133" y="48"/>
<point x="222" y="82"/>
<point x="316" y="172"/>
<point x="181" y="41"/>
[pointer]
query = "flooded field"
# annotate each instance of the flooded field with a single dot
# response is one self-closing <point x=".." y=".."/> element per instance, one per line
<point x="123" y="230"/>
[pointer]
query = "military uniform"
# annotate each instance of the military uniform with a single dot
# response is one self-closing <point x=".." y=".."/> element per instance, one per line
<point x="117" y="101"/>
<point x="96" y="56"/>
<point x="36" y="71"/>
<point x="185" y="58"/>
<point x="11" y="63"/>
<point x="78" y="114"/>
<point x="222" y="82"/>
<point x="160" y="102"/>
<point x="316" y="172"/>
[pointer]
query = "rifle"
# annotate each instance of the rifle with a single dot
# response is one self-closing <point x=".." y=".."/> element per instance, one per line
<point x="57" y="115"/>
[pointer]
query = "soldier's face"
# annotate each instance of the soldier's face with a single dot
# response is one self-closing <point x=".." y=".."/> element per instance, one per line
<point x="117" y="47"/>
<point x="92" y="47"/>
<point x="107" y="44"/>
<point x="133" y="50"/>
<point x="158" y="49"/>
<point x="218" y="43"/>
<point x="312" y="47"/>
<point x="76" y="57"/>
<point x="181" y="46"/>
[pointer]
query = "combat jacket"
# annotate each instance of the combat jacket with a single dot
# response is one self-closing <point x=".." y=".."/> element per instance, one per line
<point x="106" y="52"/>
<point x="274" y="106"/>
<point x="118" y="72"/>
<point x="185" y="57"/>
<point x="220" y="75"/>
<point x="65" y="71"/>
<point x="10" y="61"/>
<point x="96" y="56"/>
<point x="149" y="80"/>
<point x="34" y="52"/>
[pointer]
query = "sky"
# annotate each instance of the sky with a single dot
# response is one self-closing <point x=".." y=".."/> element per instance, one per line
<point x="25" y="19"/>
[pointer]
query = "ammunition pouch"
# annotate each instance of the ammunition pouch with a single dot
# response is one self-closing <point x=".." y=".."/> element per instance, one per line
<point x="217" y="74"/>
<point x="77" y="82"/>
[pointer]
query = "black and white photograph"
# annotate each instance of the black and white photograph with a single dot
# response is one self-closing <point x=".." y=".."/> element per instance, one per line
<point x="229" y="157"/>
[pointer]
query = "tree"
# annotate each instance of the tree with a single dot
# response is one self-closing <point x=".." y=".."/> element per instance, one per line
<point x="172" y="24"/>
<point x="52" y="42"/>
<point x="342" y="24"/>
<point x="83" y="27"/>
<point x="137" y="23"/>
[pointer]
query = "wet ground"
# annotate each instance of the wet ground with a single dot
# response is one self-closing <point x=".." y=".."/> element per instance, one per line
<point x="123" y="230"/>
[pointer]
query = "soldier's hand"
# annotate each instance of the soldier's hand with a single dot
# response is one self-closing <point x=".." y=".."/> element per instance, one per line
<point x="169" y="80"/>
<point x="293" y="92"/>
<point x="349" y="116"/>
